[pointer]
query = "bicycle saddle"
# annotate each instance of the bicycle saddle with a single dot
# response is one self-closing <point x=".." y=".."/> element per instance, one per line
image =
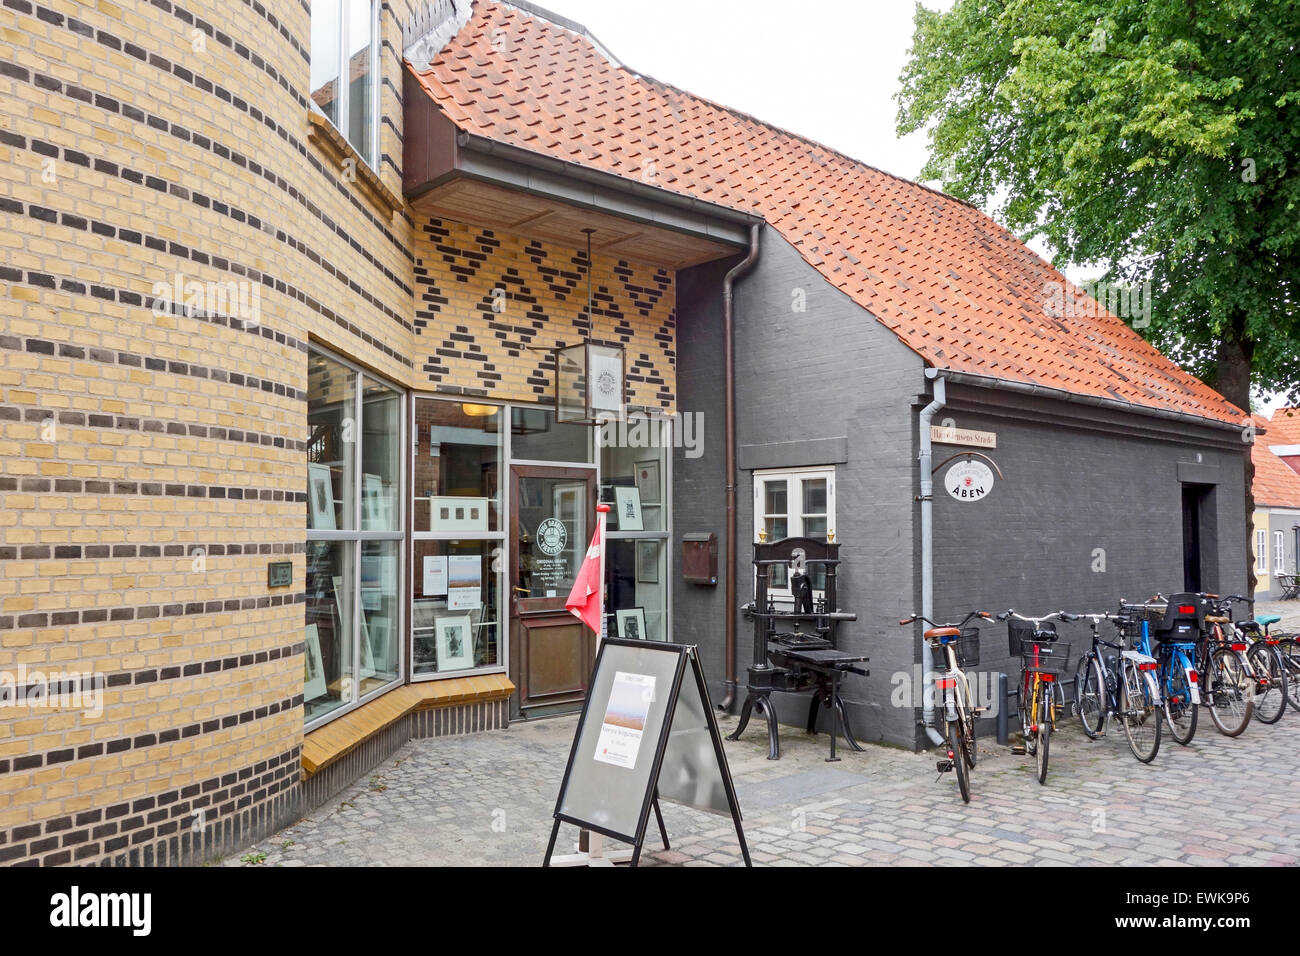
<point x="1267" y="619"/>
<point x="1217" y="619"/>
<point x="943" y="632"/>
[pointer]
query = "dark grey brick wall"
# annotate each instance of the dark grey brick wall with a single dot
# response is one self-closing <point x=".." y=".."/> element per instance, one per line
<point x="812" y="386"/>
<point x="830" y="385"/>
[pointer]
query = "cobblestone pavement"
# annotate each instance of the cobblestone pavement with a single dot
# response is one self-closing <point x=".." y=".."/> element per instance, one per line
<point x="486" y="800"/>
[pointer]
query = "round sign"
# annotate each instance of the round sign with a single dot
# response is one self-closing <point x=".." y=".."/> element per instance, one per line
<point x="969" y="480"/>
<point x="552" y="536"/>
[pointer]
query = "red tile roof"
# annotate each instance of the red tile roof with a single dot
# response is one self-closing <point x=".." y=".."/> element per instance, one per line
<point x="954" y="286"/>
<point x="1275" y="482"/>
<point x="1284" y="427"/>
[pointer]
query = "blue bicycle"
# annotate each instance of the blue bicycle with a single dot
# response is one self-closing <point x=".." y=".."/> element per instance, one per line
<point x="1175" y="654"/>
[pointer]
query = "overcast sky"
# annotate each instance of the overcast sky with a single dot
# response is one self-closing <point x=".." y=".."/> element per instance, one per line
<point x="827" y="69"/>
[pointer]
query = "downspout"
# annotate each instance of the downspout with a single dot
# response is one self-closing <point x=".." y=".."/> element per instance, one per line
<point x="927" y="546"/>
<point x="729" y="416"/>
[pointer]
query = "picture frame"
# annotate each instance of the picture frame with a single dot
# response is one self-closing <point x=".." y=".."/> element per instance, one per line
<point x="455" y="643"/>
<point x="453" y="513"/>
<point x="647" y="561"/>
<point x="376" y="512"/>
<point x="631" y="623"/>
<point x="627" y="505"/>
<point x="313" y="665"/>
<point x="320" y="497"/>
<point x="367" y="650"/>
<point x="648" y="481"/>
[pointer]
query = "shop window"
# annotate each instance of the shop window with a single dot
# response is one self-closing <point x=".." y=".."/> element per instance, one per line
<point x="797" y="503"/>
<point x="634" y="483"/>
<point x="458" y="573"/>
<point x="344" y="44"/>
<point x="354" y="537"/>
<point x="535" y="435"/>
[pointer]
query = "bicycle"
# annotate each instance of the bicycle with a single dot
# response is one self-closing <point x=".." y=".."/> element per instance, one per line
<point x="959" y="647"/>
<point x="1229" y="679"/>
<point x="1042" y="660"/>
<point x="1176" y="635"/>
<point x="1121" y="685"/>
<point x="1288" y="649"/>
<point x="1264" y="656"/>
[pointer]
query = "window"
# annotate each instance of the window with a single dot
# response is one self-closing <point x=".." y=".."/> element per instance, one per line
<point x="457" y="585"/>
<point x="354" y="536"/>
<point x="344" y="44"/>
<point x="634" y="483"/>
<point x="797" y="503"/>
<point x="1261" y="551"/>
<point x="1279" y="552"/>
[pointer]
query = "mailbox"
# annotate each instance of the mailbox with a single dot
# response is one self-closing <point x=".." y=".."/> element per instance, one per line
<point x="700" y="558"/>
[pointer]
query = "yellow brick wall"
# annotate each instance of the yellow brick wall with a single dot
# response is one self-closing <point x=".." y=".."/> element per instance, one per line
<point x="137" y="143"/>
<point x="489" y="304"/>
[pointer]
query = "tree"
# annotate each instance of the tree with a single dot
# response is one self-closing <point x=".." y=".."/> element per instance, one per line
<point x="1158" y="139"/>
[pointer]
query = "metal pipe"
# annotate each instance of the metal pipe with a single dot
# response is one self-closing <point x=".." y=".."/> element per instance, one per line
<point x="729" y="406"/>
<point x="924" y="460"/>
<point x="1003" y="732"/>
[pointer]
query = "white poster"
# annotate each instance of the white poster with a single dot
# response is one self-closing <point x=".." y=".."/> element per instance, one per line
<point x="435" y="575"/>
<point x="623" y="725"/>
<point x="464" y="582"/>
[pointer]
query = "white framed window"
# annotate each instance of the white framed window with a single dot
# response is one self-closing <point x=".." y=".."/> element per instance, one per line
<point x="793" y="503"/>
<point x="1279" y="552"/>
<point x="345" y="43"/>
<point x="1261" y="551"/>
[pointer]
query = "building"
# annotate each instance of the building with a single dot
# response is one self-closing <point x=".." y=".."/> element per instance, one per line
<point x="1284" y="436"/>
<point x="289" y="467"/>
<point x="1275" y="526"/>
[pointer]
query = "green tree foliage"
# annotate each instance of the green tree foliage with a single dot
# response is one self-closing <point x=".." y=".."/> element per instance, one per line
<point x="1158" y="139"/>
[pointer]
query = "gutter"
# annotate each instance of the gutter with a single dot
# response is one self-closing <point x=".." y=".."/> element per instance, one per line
<point x="926" y="497"/>
<point x="611" y="181"/>
<point x="729" y="403"/>
<point x="1060" y="394"/>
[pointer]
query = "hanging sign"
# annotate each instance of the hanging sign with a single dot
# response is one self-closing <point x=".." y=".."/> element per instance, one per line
<point x="969" y="480"/>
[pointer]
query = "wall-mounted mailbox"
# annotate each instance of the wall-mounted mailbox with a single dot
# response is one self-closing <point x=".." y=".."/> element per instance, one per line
<point x="700" y="558"/>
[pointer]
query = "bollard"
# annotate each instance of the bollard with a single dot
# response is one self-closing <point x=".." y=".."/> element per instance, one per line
<point x="1002" y="710"/>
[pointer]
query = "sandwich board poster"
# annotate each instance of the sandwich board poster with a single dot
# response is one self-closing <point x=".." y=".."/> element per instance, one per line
<point x="646" y="732"/>
<point x="623" y="725"/>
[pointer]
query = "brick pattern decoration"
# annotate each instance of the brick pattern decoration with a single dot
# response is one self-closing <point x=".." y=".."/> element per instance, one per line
<point x="471" y="341"/>
<point x="152" y="452"/>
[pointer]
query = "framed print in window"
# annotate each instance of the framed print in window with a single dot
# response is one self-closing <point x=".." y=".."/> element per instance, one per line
<point x="455" y="643"/>
<point x="313" y="666"/>
<point x="458" y="514"/>
<point x="631" y="623"/>
<point x="647" y="561"/>
<point x="647" y="481"/>
<point x="321" y="487"/>
<point x="627" y="502"/>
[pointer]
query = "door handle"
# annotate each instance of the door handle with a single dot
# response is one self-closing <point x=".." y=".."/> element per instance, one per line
<point x="524" y="591"/>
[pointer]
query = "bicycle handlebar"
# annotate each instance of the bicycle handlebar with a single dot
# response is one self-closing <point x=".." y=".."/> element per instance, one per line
<point x="919" y="617"/>
<point x="1059" y="615"/>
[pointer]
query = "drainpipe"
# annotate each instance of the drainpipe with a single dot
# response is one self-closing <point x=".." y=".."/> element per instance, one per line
<point x="729" y="406"/>
<point x="927" y="545"/>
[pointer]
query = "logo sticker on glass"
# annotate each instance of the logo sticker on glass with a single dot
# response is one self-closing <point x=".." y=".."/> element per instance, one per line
<point x="552" y="536"/>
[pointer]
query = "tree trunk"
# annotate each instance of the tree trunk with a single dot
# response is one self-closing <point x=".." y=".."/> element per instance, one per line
<point x="1234" y="358"/>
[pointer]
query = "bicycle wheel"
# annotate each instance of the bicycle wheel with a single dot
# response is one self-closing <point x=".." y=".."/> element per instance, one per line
<point x="1090" y="695"/>
<point x="1180" y="711"/>
<point x="1231" y="690"/>
<point x="957" y="745"/>
<point x="968" y="749"/>
<point x="1270" y="686"/>
<point x="1141" y="713"/>
<point x="1044" y="737"/>
<point x="1289" y="651"/>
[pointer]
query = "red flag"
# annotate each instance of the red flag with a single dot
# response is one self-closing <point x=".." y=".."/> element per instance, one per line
<point x="586" y="598"/>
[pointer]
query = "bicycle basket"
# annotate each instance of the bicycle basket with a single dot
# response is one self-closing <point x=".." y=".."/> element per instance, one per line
<point x="967" y="648"/>
<point x="1021" y="633"/>
<point x="1053" y="658"/>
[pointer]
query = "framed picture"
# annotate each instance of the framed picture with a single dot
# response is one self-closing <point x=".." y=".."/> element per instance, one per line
<point x="631" y="623"/>
<point x="647" y="481"/>
<point x="627" y="504"/>
<point x="376" y="514"/>
<point x="424" y="615"/>
<point x="455" y="643"/>
<point x="367" y="650"/>
<point x="313" y="667"/>
<point x="647" y="562"/>
<point x="380" y="637"/>
<point x="320" y="497"/>
<point x="458" y="514"/>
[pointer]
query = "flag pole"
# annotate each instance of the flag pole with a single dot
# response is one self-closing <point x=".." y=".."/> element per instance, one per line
<point x="602" y="514"/>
